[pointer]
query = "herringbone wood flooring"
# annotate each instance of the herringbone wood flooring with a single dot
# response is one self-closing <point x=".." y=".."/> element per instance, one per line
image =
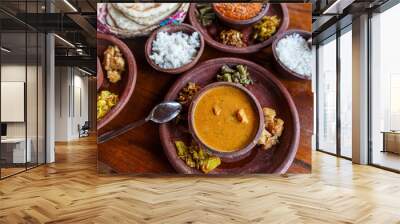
<point x="70" y="191"/>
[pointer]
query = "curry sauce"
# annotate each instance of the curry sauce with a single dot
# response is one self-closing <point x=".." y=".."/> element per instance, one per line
<point x="215" y="119"/>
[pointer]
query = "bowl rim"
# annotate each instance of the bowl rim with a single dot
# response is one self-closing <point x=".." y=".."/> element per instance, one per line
<point x="99" y="75"/>
<point x="174" y="28"/>
<point x="304" y="34"/>
<point x="130" y="85"/>
<point x="245" y="22"/>
<point x="241" y="152"/>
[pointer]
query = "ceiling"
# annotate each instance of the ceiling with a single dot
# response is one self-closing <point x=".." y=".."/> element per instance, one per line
<point x="57" y="5"/>
<point x="72" y="20"/>
<point x="332" y="15"/>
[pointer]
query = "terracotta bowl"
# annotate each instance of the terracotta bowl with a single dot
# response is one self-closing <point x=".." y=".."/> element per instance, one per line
<point x="269" y="91"/>
<point x="100" y="74"/>
<point x="239" y="153"/>
<point x="281" y="68"/>
<point x="172" y="29"/>
<point x="240" y="24"/>
<point x="124" y="88"/>
<point x="211" y="33"/>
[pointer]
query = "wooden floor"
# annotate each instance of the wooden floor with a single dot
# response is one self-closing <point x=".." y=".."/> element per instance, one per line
<point x="5" y="172"/>
<point x="70" y="191"/>
<point x="387" y="159"/>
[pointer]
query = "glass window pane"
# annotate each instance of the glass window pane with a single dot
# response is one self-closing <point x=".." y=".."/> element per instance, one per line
<point x="346" y="94"/>
<point x="31" y="97"/>
<point x="327" y="97"/>
<point x="23" y="87"/>
<point x="41" y="99"/>
<point x="385" y="114"/>
<point x="14" y="153"/>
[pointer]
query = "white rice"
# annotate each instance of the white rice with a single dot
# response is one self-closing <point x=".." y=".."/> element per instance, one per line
<point x="294" y="53"/>
<point x="174" y="50"/>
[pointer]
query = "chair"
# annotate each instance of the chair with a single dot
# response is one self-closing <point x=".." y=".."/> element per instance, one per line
<point x="84" y="130"/>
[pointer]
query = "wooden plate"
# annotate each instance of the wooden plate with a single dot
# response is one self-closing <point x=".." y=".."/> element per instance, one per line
<point x="211" y="32"/>
<point x="269" y="91"/>
<point x="124" y="88"/>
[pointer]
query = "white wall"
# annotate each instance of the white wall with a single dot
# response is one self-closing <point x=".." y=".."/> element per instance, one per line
<point x="71" y="93"/>
<point x="16" y="73"/>
<point x="33" y="127"/>
<point x="80" y="110"/>
<point x="61" y="103"/>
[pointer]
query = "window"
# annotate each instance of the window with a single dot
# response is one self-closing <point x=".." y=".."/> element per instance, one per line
<point x="327" y="97"/>
<point x="334" y="106"/>
<point x="394" y="117"/>
<point x="22" y="78"/>
<point x="385" y="89"/>
<point x="346" y="94"/>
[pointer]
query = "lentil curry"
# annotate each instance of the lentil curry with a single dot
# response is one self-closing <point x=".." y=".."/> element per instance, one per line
<point x="224" y="118"/>
<point x="239" y="11"/>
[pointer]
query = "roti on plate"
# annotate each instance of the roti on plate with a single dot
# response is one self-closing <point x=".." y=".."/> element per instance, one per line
<point x="119" y="20"/>
<point x="146" y="13"/>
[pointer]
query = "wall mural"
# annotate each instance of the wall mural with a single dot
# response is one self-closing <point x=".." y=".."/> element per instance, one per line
<point x="204" y="88"/>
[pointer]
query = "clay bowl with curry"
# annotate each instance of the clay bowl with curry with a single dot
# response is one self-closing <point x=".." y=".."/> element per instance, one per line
<point x="240" y="15"/>
<point x="226" y="119"/>
<point x="124" y="87"/>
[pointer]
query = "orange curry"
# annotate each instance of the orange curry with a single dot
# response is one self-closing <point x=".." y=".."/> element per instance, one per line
<point x="225" y="119"/>
<point x="239" y="11"/>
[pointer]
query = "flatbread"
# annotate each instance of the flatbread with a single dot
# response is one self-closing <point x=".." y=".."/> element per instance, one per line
<point x="156" y="19"/>
<point x="106" y="24"/>
<point x="121" y="21"/>
<point x="142" y="10"/>
<point x="110" y="20"/>
<point x="146" y="13"/>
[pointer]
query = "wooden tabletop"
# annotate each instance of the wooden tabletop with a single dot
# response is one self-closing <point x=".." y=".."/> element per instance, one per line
<point x="140" y="150"/>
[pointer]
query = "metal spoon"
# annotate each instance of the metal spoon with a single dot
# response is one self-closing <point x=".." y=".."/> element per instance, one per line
<point x="309" y="43"/>
<point x="162" y="113"/>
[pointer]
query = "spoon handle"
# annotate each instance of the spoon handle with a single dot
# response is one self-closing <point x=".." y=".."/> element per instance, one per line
<point x="119" y="131"/>
<point x="309" y="42"/>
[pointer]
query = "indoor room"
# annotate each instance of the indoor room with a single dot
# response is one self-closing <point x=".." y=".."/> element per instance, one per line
<point x="47" y="83"/>
<point x="335" y="82"/>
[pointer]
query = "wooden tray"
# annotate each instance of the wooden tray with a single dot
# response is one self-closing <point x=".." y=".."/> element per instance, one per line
<point x="269" y="91"/>
<point x="210" y="33"/>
